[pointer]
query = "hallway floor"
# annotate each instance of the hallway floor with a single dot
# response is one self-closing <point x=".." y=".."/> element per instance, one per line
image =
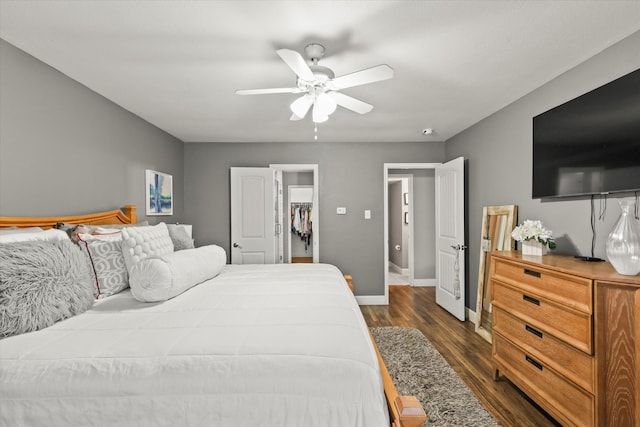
<point x="397" y="278"/>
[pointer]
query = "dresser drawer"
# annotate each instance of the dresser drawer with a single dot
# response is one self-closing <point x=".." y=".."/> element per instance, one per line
<point x="573" y="364"/>
<point x="573" y="327"/>
<point x="572" y="291"/>
<point x="570" y="404"/>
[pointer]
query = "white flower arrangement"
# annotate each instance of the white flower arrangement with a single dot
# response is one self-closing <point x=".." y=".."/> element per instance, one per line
<point x="533" y="230"/>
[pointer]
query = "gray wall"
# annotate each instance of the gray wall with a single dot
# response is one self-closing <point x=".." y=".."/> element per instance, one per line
<point x="499" y="153"/>
<point x="66" y="150"/>
<point x="350" y="175"/>
<point x="424" y="223"/>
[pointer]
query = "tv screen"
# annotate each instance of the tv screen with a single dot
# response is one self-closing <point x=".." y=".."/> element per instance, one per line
<point x="591" y="144"/>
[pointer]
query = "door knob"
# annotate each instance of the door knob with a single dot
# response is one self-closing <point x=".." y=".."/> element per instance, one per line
<point x="235" y="245"/>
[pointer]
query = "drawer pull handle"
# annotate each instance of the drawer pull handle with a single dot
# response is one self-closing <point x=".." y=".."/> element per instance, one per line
<point x="533" y="362"/>
<point x="532" y="300"/>
<point x="532" y="272"/>
<point x="533" y="331"/>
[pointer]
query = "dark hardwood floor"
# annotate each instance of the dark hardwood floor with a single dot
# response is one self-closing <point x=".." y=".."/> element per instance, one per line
<point x="466" y="351"/>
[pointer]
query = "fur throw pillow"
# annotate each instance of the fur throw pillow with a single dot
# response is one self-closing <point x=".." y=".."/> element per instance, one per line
<point x="42" y="283"/>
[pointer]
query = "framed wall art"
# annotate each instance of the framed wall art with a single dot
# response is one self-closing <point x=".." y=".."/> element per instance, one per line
<point x="159" y="193"/>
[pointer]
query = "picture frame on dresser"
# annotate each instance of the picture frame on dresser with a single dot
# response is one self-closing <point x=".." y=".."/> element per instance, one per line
<point x="158" y="193"/>
<point x="497" y="224"/>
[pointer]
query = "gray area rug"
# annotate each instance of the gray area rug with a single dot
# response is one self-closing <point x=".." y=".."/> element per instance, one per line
<point x="419" y="370"/>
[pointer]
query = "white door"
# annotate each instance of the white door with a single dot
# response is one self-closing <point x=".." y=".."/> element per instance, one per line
<point x="450" y="248"/>
<point x="253" y="218"/>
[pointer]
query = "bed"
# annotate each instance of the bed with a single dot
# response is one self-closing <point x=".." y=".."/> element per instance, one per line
<point x="255" y="345"/>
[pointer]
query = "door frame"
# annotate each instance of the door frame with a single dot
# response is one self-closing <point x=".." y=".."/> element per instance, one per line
<point x="307" y="167"/>
<point x="387" y="167"/>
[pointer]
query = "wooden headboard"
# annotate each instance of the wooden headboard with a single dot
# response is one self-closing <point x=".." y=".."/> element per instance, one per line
<point x="127" y="215"/>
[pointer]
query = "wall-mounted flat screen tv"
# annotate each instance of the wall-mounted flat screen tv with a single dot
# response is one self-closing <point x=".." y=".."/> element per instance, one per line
<point x="591" y="144"/>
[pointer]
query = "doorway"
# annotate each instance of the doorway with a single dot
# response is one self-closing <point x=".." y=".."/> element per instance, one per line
<point x="400" y="190"/>
<point x="416" y="212"/>
<point x="298" y="246"/>
<point x="297" y="184"/>
<point x="258" y="218"/>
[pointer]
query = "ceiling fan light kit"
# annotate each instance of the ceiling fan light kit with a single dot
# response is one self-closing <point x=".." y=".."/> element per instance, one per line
<point x="320" y="87"/>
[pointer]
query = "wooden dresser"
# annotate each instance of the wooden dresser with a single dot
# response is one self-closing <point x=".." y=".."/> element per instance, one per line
<point x="567" y="333"/>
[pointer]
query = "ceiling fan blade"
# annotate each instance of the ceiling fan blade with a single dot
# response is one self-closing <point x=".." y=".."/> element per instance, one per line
<point x="350" y="103"/>
<point x="268" y="91"/>
<point x="368" y="75"/>
<point x="301" y="106"/>
<point x="294" y="117"/>
<point x="296" y="62"/>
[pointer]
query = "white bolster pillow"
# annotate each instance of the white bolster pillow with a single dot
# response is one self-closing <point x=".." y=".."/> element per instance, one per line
<point x="160" y="278"/>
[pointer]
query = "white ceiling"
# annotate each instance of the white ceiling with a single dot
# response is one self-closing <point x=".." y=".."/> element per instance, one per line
<point x="177" y="64"/>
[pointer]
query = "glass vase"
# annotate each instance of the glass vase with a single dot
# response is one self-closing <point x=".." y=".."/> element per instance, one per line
<point x="623" y="244"/>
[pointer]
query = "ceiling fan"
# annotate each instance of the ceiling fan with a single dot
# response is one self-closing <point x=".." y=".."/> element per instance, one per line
<point x="320" y="87"/>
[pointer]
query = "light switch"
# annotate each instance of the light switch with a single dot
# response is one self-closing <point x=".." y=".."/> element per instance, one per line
<point x="341" y="211"/>
<point x="367" y="214"/>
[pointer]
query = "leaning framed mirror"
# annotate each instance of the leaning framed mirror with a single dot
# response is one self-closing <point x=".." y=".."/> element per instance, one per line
<point x="497" y="224"/>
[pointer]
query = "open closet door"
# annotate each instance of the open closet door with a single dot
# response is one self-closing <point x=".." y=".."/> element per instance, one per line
<point x="450" y="248"/>
<point x="253" y="213"/>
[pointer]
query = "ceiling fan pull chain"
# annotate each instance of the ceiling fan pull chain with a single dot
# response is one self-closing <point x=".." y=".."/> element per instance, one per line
<point x="315" y="130"/>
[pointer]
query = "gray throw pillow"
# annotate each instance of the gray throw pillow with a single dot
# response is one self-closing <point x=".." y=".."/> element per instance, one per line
<point x="179" y="237"/>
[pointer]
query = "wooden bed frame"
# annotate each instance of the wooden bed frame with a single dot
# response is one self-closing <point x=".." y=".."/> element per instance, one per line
<point x="404" y="411"/>
<point x="125" y="216"/>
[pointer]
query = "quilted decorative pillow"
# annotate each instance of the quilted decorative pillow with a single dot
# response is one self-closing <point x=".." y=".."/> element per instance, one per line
<point x="139" y="243"/>
<point x="41" y="282"/>
<point x="104" y="253"/>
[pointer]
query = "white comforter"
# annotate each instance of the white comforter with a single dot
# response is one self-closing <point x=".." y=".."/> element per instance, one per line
<point x="275" y="345"/>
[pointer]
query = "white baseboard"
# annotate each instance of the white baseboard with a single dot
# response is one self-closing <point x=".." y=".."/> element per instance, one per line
<point x="424" y="282"/>
<point x="371" y="300"/>
<point x="471" y="315"/>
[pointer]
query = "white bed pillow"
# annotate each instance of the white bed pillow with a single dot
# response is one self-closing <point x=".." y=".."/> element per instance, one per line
<point x="139" y="243"/>
<point x="160" y="278"/>
<point x="50" y="235"/>
<point x="18" y="230"/>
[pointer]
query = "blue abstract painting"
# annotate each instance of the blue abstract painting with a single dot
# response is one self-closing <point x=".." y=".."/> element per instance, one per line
<point x="159" y="193"/>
